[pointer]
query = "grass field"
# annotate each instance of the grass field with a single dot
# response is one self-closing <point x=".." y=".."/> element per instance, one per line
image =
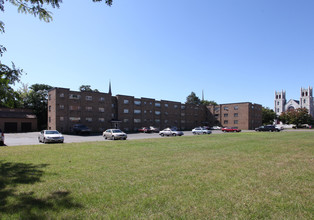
<point x="225" y="176"/>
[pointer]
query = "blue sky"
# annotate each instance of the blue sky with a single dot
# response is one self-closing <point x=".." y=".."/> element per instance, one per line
<point x="234" y="50"/>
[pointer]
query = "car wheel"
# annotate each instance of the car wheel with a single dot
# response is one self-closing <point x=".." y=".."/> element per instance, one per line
<point x="113" y="138"/>
<point x="174" y="134"/>
<point x="124" y="138"/>
<point x="204" y="132"/>
<point x="105" y="137"/>
<point x="194" y="133"/>
<point x="44" y="140"/>
<point x="161" y="134"/>
<point x="39" y="140"/>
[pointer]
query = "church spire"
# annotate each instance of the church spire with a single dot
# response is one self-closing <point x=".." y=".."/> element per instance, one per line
<point x="110" y="87"/>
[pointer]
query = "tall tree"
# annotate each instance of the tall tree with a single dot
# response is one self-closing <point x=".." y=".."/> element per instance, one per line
<point x="193" y="99"/>
<point x="37" y="100"/>
<point x="268" y="116"/>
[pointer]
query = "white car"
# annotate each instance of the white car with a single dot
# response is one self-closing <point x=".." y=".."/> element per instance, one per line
<point x="50" y="136"/>
<point x="114" y="134"/>
<point x="170" y="132"/>
<point x="200" y="130"/>
<point x="216" y="128"/>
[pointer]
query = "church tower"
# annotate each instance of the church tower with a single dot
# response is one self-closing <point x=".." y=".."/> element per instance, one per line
<point x="280" y="102"/>
<point x="306" y="99"/>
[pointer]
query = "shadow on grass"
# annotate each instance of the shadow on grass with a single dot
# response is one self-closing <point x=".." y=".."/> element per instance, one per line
<point x="26" y="204"/>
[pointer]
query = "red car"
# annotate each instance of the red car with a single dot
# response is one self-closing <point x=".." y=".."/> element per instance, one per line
<point x="232" y="129"/>
<point x="144" y="129"/>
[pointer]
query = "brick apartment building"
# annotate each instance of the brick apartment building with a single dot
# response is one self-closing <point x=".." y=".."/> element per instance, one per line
<point x="100" y="111"/>
<point x="244" y="115"/>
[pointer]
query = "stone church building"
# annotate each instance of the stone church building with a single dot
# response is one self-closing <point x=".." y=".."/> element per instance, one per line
<point x="306" y="101"/>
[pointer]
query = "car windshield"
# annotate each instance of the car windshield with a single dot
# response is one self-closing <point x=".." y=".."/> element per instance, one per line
<point x="52" y="132"/>
<point x="116" y="131"/>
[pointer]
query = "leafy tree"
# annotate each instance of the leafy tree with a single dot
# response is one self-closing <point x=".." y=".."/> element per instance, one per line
<point x="192" y="99"/>
<point x="87" y="88"/>
<point x="296" y="116"/>
<point x="8" y="77"/>
<point x="36" y="98"/>
<point x="268" y="116"/>
<point x="206" y="102"/>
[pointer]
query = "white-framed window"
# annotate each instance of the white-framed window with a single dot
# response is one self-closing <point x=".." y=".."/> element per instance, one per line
<point x="89" y="108"/>
<point x="236" y="121"/>
<point x="182" y="121"/>
<point x="236" y="107"/>
<point x="49" y="97"/>
<point x="74" y="96"/>
<point x="101" y="109"/>
<point x="49" y="108"/>
<point x="126" y="120"/>
<point x="166" y="105"/>
<point x="182" y="114"/>
<point x="226" y="115"/>
<point x="157" y="120"/>
<point x="88" y="119"/>
<point x="137" y="120"/>
<point x="75" y="119"/>
<point x="225" y="121"/>
<point x="157" y="104"/>
<point x="89" y="98"/>
<point x="166" y="121"/>
<point x="137" y="102"/>
<point x="166" y="113"/>
<point x="74" y="107"/>
<point x="101" y="99"/>
<point x="137" y="111"/>
<point x="175" y="106"/>
<point x="126" y="111"/>
<point x="101" y="119"/>
<point x="61" y="95"/>
<point x="61" y="118"/>
<point x="182" y="106"/>
<point x="226" y="108"/>
<point x="125" y="101"/>
<point x="157" y="112"/>
<point x="61" y="106"/>
<point x="236" y="114"/>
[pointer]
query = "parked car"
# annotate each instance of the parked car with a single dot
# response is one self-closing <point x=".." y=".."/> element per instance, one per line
<point x="200" y="130"/>
<point x="114" y="134"/>
<point x="230" y="129"/>
<point x="81" y="129"/>
<point x="1" y="137"/>
<point x="280" y="127"/>
<point x="144" y="129"/>
<point x="50" y="136"/>
<point x="267" y="128"/>
<point x="170" y="132"/>
<point x="216" y="128"/>
<point x="153" y="129"/>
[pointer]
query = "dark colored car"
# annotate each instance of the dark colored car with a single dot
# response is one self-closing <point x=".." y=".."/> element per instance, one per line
<point x="267" y="128"/>
<point x="230" y="129"/>
<point x="81" y="129"/>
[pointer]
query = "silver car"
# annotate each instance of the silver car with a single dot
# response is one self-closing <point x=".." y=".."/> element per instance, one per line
<point x="114" y="134"/>
<point x="170" y="132"/>
<point x="200" y="130"/>
<point x="50" y="136"/>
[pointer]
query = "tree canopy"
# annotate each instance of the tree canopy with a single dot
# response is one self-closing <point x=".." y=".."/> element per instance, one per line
<point x="193" y="99"/>
<point x="296" y="116"/>
<point x="268" y="116"/>
<point x="87" y="88"/>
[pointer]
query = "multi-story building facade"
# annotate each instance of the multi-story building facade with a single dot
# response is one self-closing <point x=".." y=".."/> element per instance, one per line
<point x="306" y="101"/>
<point x="100" y="111"/>
<point x="244" y="115"/>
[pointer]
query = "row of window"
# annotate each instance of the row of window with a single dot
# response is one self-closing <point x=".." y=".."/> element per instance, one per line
<point x="234" y="122"/>
<point x="157" y="104"/>
<point x="138" y="120"/>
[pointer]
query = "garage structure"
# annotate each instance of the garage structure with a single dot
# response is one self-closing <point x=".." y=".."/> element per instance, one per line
<point x="17" y="120"/>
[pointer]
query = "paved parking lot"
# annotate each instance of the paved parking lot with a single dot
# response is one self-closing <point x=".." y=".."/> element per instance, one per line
<point x="30" y="138"/>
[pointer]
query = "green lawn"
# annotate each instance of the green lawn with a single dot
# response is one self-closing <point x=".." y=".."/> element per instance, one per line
<point x="225" y="176"/>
